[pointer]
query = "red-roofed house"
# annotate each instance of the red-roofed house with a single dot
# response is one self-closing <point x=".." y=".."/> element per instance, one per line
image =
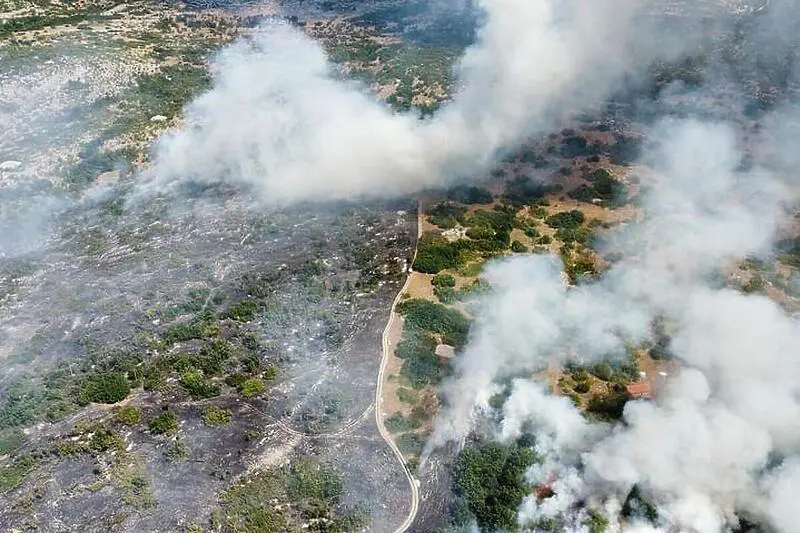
<point x="639" y="390"/>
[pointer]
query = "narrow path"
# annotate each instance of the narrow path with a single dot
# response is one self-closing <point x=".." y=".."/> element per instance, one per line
<point x="412" y="481"/>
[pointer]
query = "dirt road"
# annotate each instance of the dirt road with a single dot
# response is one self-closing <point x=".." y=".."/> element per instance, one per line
<point x="412" y="481"/>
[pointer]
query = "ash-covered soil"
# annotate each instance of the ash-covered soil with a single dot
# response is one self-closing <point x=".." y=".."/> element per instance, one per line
<point x="116" y="280"/>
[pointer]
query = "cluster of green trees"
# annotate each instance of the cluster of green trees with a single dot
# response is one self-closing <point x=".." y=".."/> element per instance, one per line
<point x="522" y="190"/>
<point x="417" y="348"/>
<point x="423" y="315"/>
<point x="465" y="194"/>
<point x="421" y="366"/>
<point x="603" y="186"/>
<point x="436" y="254"/>
<point x="446" y="215"/>
<point x="489" y="479"/>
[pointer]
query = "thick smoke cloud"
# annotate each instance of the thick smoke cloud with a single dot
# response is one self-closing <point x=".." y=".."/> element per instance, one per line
<point x="723" y="437"/>
<point x="705" y="449"/>
<point x="281" y="119"/>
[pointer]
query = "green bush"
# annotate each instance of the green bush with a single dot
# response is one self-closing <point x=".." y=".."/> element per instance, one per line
<point x="183" y="332"/>
<point x="490" y="477"/>
<point x="446" y="295"/>
<point x="235" y="380"/>
<point x="243" y="311"/>
<point x="608" y="406"/>
<point x="311" y="480"/>
<point x="105" y="388"/>
<point x="424" y="315"/>
<point x="128" y="416"/>
<point x="407" y="395"/>
<point x="596" y="523"/>
<point x="252" y="387"/>
<point x="581" y="387"/>
<point x="523" y="190"/>
<point x="397" y="423"/>
<point x="469" y="195"/>
<point x="421" y="366"/>
<point x="435" y="257"/>
<point x="518" y="248"/>
<point x="216" y="416"/>
<point x="444" y="280"/>
<point x="197" y="385"/>
<point x="164" y="424"/>
<point x="270" y="372"/>
<point x="10" y="439"/>
<point x="446" y="215"/>
<point x="411" y="443"/>
<point x="13" y="475"/>
<point x="566" y="219"/>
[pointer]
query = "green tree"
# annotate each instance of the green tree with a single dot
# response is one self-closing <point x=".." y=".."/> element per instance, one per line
<point x="490" y="476"/>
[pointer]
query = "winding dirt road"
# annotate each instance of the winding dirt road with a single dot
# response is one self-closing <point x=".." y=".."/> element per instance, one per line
<point x="412" y="481"/>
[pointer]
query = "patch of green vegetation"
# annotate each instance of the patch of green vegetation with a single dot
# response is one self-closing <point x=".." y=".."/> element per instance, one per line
<point x="161" y="93"/>
<point x="625" y="150"/>
<point x="248" y="506"/>
<point x="164" y="424"/>
<point x="522" y="190"/>
<point x="93" y="161"/>
<point x="36" y="398"/>
<point x="428" y="316"/>
<point x="573" y="146"/>
<point x="602" y="186"/>
<point x="444" y="280"/>
<point x="417" y="68"/>
<point x="258" y="504"/>
<point x="311" y="480"/>
<point x="104" y="388"/>
<point x="243" y="311"/>
<point x="10" y="439"/>
<point x="177" y="451"/>
<point x="397" y="423"/>
<point x="421" y="366"/>
<point x="577" y="266"/>
<point x="608" y="406"/>
<point x="446" y="215"/>
<point x="407" y="395"/>
<point x="216" y="416"/>
<point x="466" y="194"/>
<point x="92" y="439"/>
<point x="566" y="219"/>
<point x="128" y="415"/>
<point x="252" y="387"/>
<point x="12" y="475"/>
<point x="410" y="443"/>
<point x="518" y="248"/>
<point x="197" y="385"/>
<point x="490" y="480"/>
<point x="596" y="523"/>
<point x="39" y="22"/>
<point x="437" y="256"/>
<point x="448" y="295"/>
<point x="638" y="507"/>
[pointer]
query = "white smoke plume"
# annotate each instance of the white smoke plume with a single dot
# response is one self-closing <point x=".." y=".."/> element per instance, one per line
<point x="703" y="449"/>
<point x="281" y="119"/>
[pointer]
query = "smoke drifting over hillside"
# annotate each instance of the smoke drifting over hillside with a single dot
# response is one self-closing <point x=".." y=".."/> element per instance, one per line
<point x="281" y="119"/>
<point x="702" y="450"/>
<point x="724" y="437"/>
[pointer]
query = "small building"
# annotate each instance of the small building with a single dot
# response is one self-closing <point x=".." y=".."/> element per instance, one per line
<point x="639" y="390"/>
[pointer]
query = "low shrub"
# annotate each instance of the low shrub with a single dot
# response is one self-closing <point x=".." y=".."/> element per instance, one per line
<point x="252" y="387"/>
<point x="216" y="416"/>
<point x="164" y="424"/>
<point x="128" y="416"/>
